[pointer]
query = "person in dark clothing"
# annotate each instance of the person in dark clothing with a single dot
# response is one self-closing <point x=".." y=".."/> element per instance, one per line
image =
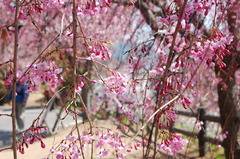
<point x="21" y="100"/>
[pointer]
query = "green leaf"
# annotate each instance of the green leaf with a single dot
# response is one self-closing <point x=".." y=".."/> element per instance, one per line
<point x="110" y="43"/>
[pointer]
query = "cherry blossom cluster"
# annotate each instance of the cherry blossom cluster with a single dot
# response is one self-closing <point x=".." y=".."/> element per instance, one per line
<point x="168" y="114"/>
<point x="29" y="8"/>
<point x="129" y="114"/>
<point x="93" y="7"/>
<point x="173" y="145"/>
<point x="38" y="73"/>
<point x="198" y="6"/>
<point x="117" y="83"/>
<point x="99" y="52"/>
<point x="112" y="139"/>
<point x="222" y="136"/>
<point x="171" y="115"/>
<point x="8" y="81"/>
<point x="55" y="3"/>
<point x="185" y="102"/>
<point x="37" y="7"/>
<point x="86" y="7"/>
<point x="212" y="51"/>
<point x="101" y="103"/>
<point x="96" y="104"/>
<point x="128" y="108"/>
<point x="79" y="86"/>
<point x="199" y="125"/>
<point x="105" y="143"/>
<point x="29" y="137"/>
<point x="194" y="6"/>
<point x="72" y="148"/>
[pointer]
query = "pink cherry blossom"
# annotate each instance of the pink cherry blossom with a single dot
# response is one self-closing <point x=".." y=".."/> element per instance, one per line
<point x="221" y="136"/>
<point x="59" y="155"/>
<point x="199" y="125"/>
<point x="116" y="83"/>
<point x="103" y="153"/>
<point x="175" y="145"/>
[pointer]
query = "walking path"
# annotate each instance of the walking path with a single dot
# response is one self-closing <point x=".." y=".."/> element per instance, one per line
<point x="36" y="152"/>
<point x="31" y="115"/>
<point x="33" y="110"/>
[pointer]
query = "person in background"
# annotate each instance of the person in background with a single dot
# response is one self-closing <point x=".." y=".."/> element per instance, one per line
<point x="53" y="96"/>
<point x="21" y="100"/>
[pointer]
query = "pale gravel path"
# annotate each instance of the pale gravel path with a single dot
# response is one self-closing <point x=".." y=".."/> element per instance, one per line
<point x="36" y="152"/>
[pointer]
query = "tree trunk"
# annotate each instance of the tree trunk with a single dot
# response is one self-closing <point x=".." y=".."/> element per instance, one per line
<point x="229" y="121"/>
<point x="86" y="87"/>
<point x="229" y="96"/>
<point x="228" y="100"/>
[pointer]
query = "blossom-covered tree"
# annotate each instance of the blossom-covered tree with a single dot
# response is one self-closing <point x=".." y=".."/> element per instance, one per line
<point x="143" y="59"/>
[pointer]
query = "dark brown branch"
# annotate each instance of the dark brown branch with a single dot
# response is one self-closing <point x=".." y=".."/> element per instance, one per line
<point x="7" y="148"/>
<point x="14" y="81"/>
<point x="6" y="115"/>
<point x="147" y="14"/>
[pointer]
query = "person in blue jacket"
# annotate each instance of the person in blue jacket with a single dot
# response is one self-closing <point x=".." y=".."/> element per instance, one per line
<point x="21" y="100"/>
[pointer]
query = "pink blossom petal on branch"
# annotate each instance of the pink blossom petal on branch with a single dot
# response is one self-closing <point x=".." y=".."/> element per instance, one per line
<point x="164" y="20"/>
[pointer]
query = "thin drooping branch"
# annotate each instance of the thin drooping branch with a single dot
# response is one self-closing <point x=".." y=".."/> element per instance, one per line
<point x="171" y="53"/>
<point x="14" y="81"/>
<point x="74" y="13"/>
<point x="168" y="64"/>
<point x="7" y="148"/>
<point x="93" y="61"/>
<point x="8" y="115"/>
<point x="152" y="116"/>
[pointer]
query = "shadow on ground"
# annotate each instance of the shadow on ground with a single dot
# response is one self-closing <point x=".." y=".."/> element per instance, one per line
<point x="5" y="138"/>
